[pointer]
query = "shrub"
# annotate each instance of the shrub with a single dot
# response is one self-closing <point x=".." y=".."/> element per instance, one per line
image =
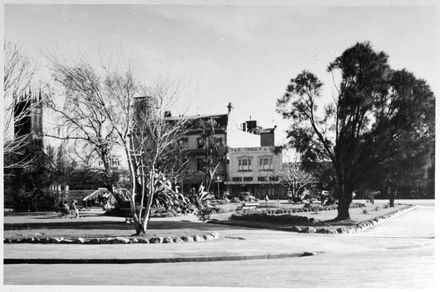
<point x="39" y="200"/>
<point x="204" y="206"/>
<point x="357" y="205"/>
<point x="219" y="202"/>
<point x="306" y="208"/>
<point x="235" y="200"/>
<point x="265" y="217"/>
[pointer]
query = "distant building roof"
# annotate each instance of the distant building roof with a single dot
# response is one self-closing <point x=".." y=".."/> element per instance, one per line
<point x="267" y="130"/>
<point x="195" y="117"/>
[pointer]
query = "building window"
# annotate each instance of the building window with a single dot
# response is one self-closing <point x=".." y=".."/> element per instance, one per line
<point x="236" y="178"/>
<point x="244" y="164"/>
<point x="273" y="178"/>
<point x="248" y="178"/>
<point x="200" y="143"/>
<point x="200" y="164"/>
<point x="183" y="142"/>
<point x="266" y="163"/>
<point x="262" y="178"/>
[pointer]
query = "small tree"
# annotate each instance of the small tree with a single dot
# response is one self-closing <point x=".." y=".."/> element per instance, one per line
<point x="294" y="176"/>
<point x="214" y="152"/>
<point x="152" y="141"/>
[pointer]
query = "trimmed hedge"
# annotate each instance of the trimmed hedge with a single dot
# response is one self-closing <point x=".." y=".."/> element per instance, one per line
<point x="284" y="218"/>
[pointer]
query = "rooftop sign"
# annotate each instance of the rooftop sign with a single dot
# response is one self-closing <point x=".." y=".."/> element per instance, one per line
<point x="252" y="149"/>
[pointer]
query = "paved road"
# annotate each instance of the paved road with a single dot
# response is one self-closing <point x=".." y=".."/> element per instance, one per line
<point x="411" y="268"/>
<point x="397" y="254"/>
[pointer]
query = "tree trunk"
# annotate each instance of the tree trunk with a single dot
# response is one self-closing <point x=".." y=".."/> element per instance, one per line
<point x="151" y="191"/>
<point x="393" y="196"/>
<point x="392" y="200"/>
<point x="345" y="198"/>
<point x="343" y="213"/>
<point x="139" y="227"/>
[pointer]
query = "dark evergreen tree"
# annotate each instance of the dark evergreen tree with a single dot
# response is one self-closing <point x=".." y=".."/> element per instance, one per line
<point x="381" y="122"/>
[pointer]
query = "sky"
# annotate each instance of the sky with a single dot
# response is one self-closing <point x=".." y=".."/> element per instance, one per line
<point x="217" y="54"/>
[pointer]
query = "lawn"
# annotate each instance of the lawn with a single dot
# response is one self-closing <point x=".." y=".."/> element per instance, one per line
<point x="93" y="224"/>
<point x="99" y="226"/>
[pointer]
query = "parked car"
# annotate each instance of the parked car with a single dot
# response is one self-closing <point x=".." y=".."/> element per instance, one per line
<point x="247" y="197"/>
<point x="242" y="195"/>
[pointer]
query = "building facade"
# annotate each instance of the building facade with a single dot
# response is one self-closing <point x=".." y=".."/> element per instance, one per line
<point x="193" y="148"/>
<point x="253" y="169"/>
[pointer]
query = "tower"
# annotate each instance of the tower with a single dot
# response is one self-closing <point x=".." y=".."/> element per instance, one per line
<point x="28" y="120"/>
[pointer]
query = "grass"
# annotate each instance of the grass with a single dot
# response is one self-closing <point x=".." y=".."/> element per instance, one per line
<point x="93" y="224"/>
<point x="98" y="226"/>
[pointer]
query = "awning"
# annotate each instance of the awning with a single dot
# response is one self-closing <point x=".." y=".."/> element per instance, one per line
<point x="101" y="191"/>
<point x="253" y="183"/>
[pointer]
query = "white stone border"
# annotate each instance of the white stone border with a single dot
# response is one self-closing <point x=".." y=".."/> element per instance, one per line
<point x="360" y="227"/>
<point x="116" y="240"/>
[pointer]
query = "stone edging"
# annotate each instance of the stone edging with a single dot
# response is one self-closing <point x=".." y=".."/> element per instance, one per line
<point x="116" y="240"/>
<point x="360" y="227"/>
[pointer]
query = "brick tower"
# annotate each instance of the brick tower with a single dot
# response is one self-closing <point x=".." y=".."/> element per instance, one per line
<point x="28" y="120"/>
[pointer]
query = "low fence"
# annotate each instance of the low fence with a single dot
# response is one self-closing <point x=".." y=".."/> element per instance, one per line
<point x="74" y="195"/>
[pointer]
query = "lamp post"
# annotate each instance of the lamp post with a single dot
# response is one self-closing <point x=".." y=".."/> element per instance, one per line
<point x="218" y="186"/>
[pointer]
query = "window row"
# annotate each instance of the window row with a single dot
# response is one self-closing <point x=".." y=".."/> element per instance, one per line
<point x="250" y="178"/>
<point x="245" y="164"/>
<point x="183" y="142"/>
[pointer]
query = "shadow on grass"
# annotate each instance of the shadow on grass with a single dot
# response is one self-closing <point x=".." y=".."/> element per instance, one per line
<point x="106" y="225"/>
<point x="333" y="222"/>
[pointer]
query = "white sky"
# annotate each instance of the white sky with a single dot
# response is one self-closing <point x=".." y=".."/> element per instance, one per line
<point x="242" y="54"/>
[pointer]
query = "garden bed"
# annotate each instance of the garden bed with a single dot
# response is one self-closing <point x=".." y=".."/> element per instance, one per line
<point x="306" y="208"/>
<point x="319" y="222"/>
<point x="50" y="228"/>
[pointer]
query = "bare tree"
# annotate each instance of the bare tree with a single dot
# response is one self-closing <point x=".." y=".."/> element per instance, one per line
<point x="152" y="142"/>
<point x="294" y="176"/>
<point x="109" y="108"/>
<point x="82" y="120"/>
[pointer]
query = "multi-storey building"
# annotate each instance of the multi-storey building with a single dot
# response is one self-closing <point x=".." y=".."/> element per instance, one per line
<point x="192" y="145"/>
<point x="253" y="162"/>
<point x="250" y="164"/>
<point x="254" y="170"/>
